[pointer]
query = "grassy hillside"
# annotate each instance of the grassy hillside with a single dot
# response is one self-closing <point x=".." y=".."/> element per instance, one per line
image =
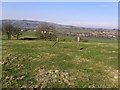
<point x="35" y="63"/>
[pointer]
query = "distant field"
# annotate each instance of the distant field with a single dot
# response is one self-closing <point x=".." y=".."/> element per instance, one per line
<point x="90" y="39"/>
<point x="34" y="63"/>
<point x="72" y="38"/>
<point x="69" y="38"/>
<point x="85" y="30"/>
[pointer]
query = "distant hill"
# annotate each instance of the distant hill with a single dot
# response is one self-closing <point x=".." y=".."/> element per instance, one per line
<point x="33" y="24"/>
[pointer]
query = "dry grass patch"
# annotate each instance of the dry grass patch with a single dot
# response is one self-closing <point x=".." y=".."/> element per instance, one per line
<point x="79" y="59"/>
<point x="48" y="78"/>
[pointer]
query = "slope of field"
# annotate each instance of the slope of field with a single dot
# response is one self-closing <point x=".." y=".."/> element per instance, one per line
<point x="35" y="63"/>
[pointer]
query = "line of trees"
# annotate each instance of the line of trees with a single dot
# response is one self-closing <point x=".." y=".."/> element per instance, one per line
<point x="46" y="31"/>
<point x="9" y="30"/>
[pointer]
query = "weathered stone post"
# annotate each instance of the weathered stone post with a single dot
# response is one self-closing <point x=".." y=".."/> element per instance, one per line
<point x="78" y="41"/>
<point x="57" y="41"/>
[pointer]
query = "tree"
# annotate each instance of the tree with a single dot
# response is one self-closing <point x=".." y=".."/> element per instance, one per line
<point x="46" y="31"/>
<point x="17" y="32"/>
<point x="8" y="29"/>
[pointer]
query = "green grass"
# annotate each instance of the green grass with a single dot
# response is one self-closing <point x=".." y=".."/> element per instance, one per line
<point x="35" y="63"/>
<point x="73" y="38"/>
<point x="29" y="33"/>
<point x="90" y="39"/>
<point x="69" y="38"/>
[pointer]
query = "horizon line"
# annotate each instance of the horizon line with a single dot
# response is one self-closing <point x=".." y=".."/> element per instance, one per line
<point x="64" y="24"/>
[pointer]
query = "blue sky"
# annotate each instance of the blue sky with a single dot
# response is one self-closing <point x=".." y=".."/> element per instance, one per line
<point x="88" y="14"/>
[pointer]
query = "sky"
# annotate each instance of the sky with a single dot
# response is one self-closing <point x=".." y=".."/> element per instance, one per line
<point x="60" y="0"/>
<point x="83" y="14"/>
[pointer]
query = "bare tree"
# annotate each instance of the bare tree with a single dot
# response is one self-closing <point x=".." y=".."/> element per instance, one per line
<point x="17" y="32"/>
<point x="46" y="31"/>
<point x="8" y="29"/>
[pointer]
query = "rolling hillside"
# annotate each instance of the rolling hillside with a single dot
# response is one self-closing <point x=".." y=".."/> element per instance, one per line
<point x="32" y="24"/>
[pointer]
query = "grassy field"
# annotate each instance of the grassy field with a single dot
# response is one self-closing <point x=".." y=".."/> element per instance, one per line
<point x="35" y="63"/>
<point x="72" y="38"/>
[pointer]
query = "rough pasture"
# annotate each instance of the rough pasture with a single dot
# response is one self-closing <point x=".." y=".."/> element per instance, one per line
<point x="36" y="64"/>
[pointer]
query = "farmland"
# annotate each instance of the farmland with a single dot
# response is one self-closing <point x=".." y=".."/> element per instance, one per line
<point x="35" y="63"/>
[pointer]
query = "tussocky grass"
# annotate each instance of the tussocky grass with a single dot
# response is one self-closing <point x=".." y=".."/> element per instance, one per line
<point x="35" y="63"/>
